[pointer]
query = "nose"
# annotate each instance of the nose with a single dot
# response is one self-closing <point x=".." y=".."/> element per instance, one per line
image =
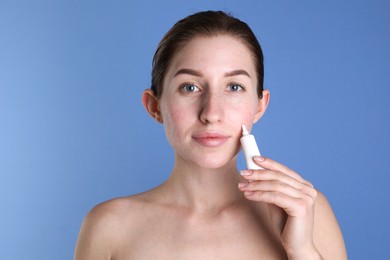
<point x="212" y="110"/>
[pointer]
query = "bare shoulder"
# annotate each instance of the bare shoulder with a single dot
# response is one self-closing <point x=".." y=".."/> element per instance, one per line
<point x="327" y="234"/>
<point x="104" y="227"/>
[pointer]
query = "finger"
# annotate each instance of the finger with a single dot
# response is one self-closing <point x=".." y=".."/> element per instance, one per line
<point x="295" y="207"/>
<point x="291" y="187"/>
<point x="270" y="164"/>
<point x="272" y="186"/>
<point x="268" y="175"/>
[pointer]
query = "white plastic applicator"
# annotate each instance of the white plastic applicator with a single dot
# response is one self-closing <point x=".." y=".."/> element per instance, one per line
<point x="250" y="149"/>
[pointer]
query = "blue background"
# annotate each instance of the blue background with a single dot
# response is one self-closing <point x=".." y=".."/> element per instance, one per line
<point x="73" y="131"/>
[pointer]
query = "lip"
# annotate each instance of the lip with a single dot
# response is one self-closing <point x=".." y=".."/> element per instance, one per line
<point x="210" y="139"/>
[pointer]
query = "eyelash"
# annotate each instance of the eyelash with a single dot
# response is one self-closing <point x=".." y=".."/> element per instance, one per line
<point x="184" y="87"/>
<point x="241" y="88"/>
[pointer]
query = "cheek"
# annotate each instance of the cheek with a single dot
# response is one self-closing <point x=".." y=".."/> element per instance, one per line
<point x="175" y="118"/>
<point x="242" y="113"/>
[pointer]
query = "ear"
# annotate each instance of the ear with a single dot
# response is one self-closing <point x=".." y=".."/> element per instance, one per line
<point x="262" y="105"/>
<point x="151" y="104"/>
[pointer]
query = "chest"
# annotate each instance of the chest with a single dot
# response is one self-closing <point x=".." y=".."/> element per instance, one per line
<point x="210" y="238"/>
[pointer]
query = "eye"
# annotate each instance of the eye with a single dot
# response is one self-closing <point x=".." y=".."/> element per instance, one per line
<point x="189" y="87"/>
<point x="234" y="87"/>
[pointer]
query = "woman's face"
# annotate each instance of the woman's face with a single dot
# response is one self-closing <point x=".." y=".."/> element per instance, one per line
<point x="209" y="91"/>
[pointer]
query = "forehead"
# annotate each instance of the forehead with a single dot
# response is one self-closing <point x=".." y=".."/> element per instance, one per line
<point x="215" y="52"/>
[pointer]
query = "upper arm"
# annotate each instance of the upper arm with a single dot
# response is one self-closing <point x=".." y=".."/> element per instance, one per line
<point x="96" y="238"/>
<point x="327" y="234"/>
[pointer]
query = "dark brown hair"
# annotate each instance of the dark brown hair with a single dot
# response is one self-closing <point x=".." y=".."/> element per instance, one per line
<point x="207" y="23"/>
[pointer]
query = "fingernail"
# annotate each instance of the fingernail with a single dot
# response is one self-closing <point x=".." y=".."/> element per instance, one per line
<point x="259" y="158"/>
<point x="242" y="184"/>
<point x="246" y="172"/>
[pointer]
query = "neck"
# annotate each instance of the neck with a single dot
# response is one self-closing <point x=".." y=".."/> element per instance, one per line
<point x="204" y="190"/>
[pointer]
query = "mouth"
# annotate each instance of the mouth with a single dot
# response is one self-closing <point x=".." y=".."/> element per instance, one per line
<point x="210" y="139"/>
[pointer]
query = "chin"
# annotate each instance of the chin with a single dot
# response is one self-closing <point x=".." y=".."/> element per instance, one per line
<point x="213" y="163"/>
<point x="207" y="159"/>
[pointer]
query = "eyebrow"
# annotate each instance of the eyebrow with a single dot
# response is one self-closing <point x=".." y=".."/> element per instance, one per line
<point x="198" y="74"/>
<point x="189" y="72"/>
<point x="237" y="72"/>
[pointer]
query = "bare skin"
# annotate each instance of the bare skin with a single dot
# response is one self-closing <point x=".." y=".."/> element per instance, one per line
<point x="206" y="209"/>
<point x="153" y="226"/>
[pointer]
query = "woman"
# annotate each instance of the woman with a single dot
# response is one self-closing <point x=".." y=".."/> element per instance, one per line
<point x="207" y="81"/>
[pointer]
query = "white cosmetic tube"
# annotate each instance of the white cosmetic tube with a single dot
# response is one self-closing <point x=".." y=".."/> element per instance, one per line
<point x="250" y="149"/>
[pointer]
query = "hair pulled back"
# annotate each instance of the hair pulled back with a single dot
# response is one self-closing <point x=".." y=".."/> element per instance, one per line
<point x="204" y="24"/>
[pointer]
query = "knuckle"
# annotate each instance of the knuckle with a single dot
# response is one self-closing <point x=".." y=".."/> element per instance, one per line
<point x="308" y="183"/>
<point x="309" y="202"/>
<point x="277" y="185"/>
<point x="269" y="197"/>
<point x="309" y="190"/>
<point x="257" y="174"/>
<point x="259" y="195"/>
<point x="265" y="196"/>
<point x="314" y="193"/>
<point x="304" y="206"/>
